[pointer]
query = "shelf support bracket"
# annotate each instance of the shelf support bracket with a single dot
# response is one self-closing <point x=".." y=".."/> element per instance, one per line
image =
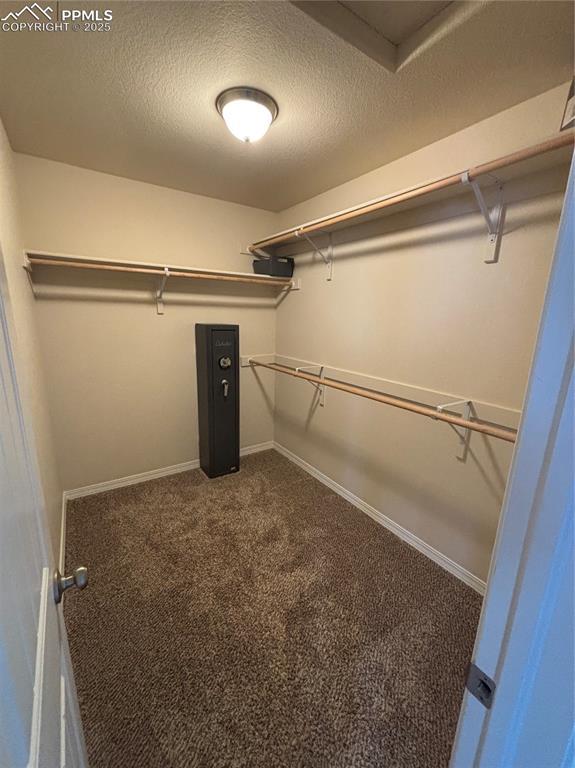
<point x="463" y="434"/>
<point x="295" y="285"/>
<point x="248" y="361"/>
<point x="494" y="218"/>
<point x="319" y="388"/>
<point x="326" y="256"/>
<point x="28" y="270"/>
<point x="160" y="291"/>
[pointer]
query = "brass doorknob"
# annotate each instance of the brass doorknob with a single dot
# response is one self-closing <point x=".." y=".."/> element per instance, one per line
<point x="78" y="579"/>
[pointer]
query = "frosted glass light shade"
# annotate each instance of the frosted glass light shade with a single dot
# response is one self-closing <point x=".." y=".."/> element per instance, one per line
<point x="247" y="120"/>
<point x="248" y="113"/>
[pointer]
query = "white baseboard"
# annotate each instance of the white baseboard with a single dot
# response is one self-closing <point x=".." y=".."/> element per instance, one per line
<point x="141" y="477"/>
<point x="152" y="474"/>
<point x="122" y="482"/>
<point x="62" y="552"/>
<point x="410" y="538"/>
<point x="257" y="448"/>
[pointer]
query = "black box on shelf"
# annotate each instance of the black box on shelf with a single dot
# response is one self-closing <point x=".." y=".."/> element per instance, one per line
<point x="275" y="266"/>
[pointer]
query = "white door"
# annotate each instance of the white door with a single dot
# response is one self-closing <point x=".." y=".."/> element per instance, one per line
<point x="39" y="719"/>
<point x="525" y="642"/>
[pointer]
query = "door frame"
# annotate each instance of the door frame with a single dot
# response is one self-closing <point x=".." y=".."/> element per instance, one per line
<point x="530" y="544"/>
<point x="72" y="750"/>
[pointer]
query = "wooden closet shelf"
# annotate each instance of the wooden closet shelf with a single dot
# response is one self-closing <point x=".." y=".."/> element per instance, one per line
<point x="143" y="268"/>
<point x="530" y="159"/>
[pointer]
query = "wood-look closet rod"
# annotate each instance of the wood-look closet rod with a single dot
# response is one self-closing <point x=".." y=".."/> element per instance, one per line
<point x="492" y="430"/>
<point x="291" y="235"/>
<point x="160" y="271"/>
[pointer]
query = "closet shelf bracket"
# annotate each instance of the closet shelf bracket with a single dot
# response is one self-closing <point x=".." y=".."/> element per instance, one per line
<point x="295" y="285"/>
<point x="248" y="361"/>
<point x="326" y="256"/>
<point x="463" y="434"/>
<point x="160" y="291"/>
<point x="319" y="388"/>
<point x="28" y="270"/>
<point x="494" y="218"/>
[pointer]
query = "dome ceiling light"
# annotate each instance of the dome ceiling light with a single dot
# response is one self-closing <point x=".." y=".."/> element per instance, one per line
<point x="247" y="112"/>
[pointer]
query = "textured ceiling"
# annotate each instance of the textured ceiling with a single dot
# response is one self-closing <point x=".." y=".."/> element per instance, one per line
<point x="139" y="101"/>
<point x="396" y="20"/>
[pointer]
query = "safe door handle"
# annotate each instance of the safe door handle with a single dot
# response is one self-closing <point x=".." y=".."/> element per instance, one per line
<point x="226" y="386"/>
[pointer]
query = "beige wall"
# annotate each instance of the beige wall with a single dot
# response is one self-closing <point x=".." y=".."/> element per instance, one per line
<point x="121" y="378"/>
<point x="412" y="303"/>
<point x="20" y="308"/>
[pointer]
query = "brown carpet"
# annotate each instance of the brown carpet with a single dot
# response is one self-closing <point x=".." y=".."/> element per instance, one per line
<point x="260" y="620"/>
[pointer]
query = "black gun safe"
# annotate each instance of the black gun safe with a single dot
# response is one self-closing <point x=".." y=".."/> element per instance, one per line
<point x="218" y="367"/>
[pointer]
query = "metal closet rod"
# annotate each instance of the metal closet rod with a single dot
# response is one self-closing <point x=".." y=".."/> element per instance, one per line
<point x="159" y="271"/>
<point x="557" y="142"/>
<point x="493" y="430"/>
